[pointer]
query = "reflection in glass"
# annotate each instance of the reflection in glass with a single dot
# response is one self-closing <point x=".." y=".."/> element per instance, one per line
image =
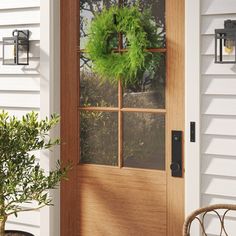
<point x="93" y="91"/>
<point x="157" y="10"/>
<point x="98" y="138"/>
<point x="149" y="91"/>
<point x="144" y="141"/>
<point x="88" y="9"/>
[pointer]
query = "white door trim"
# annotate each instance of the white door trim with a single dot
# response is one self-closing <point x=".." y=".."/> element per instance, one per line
<point x="192" y="104"/>
<point x="50" y="101"/>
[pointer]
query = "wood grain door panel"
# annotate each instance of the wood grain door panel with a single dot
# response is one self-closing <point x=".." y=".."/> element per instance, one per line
<point x="117" y="202"/>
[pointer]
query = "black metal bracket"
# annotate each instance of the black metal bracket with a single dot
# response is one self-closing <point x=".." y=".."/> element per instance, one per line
<point x="192" y="132"/>
<point x="230" y="24"/>
<point x="21" y="34"/>
<point x="176" y="164"/>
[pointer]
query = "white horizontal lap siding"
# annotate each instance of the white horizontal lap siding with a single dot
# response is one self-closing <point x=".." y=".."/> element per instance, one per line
<point x="16" y="4"/>
<point x="23" y="218"/>
<point x="22" y="16"/>
<point x="217" y="7"/>
<point x="20" y="85"/>
<point x="218" y="105"/>
<point x="20" y="99"/>
<point x="219" y="85"/>
<point x="218" y="114"/>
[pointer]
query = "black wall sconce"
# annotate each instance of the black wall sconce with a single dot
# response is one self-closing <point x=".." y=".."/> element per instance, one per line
<point x="16" y="48"/>
<point x="225" y="43"/>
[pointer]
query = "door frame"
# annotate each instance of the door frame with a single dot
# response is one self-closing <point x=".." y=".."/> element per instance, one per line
<point x="192" y="104"/>
<point x="50" y="102"/>
<point x="192" y="100"/>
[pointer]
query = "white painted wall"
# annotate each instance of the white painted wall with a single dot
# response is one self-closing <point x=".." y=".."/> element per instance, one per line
<point x="20" y="85"/>
<point x="218" y="112"/>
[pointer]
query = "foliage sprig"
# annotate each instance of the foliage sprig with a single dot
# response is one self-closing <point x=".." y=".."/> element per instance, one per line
<point x="22" y="180"/>
<point x="140" y="33"/>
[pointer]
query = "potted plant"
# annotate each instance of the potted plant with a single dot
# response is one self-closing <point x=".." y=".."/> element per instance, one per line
<point x="22" y="180"/>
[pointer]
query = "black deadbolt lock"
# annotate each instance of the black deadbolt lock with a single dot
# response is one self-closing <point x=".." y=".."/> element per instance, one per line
<point x="176" y="165"/>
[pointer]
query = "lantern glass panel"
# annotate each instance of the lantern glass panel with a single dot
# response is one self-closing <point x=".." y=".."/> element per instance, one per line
<point x="9" y="52"/>
<point x="225" y="48"/>
<point x="22" y="52"/>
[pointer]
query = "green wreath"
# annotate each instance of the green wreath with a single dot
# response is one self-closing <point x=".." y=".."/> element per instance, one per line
<point x="140" y="33"/>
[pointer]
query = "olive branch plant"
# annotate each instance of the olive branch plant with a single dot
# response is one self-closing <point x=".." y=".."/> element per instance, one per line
<point x="22" y="180"/>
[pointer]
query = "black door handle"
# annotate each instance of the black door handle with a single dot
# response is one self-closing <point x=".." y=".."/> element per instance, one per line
<point x="176" y="163"/>
<point x="175" y="167"/>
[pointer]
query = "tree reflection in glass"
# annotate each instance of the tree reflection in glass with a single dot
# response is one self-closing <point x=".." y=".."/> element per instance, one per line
<point x="149" y="91"/>
<point x="93" y="91"/>
<point x="144" y="141"/>
<point x="157" y="10"/>
<point x="98" y="138"/>
<point x="88" y="9"/>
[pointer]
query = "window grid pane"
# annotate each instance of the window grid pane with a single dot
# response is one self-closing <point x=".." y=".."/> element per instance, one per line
<point x="103" y="96"/>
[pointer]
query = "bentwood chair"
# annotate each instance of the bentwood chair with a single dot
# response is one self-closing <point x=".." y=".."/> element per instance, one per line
<point x="219" y="210"/>
<point x="17" y="233"/>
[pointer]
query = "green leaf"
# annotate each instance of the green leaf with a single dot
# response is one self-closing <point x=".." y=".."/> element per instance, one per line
<point x="21" y="177"/>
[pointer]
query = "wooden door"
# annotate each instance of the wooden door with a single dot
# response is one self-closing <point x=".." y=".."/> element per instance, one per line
<point x="119" y="139"/>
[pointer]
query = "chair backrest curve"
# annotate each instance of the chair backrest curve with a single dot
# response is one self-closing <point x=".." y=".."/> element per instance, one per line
<point x="199" y="215"/>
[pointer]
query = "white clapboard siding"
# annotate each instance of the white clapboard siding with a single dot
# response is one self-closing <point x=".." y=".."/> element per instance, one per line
<point x="208" y="45"/>
<point x="20" y="17"/>
<point x="218" y="145"/>
<point x="23" y="217"/>
<point x="219" y="125"/>
<point x="17" y="99"/>
<point x="18" y="111"/>
<point x="6" y="31"/>
<point x="218" y="185"/>
<point x="209" y="67"/>
<point x="218" y="105"/>
<point x="211" y="22"/>
<point x="35" y="230"/>
<point x="20" y="85"/>
<point x="31" y="69"/>
<point x="16" y="4"/>
<point x="216" y="7"/>
<point x="219" y="85"/>
<point x="218" y="165"/>
<point x="210" y="199"/>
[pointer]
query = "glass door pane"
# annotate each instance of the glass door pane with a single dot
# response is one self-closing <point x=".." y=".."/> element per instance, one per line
<point x="144" y="141"/>
<point x="98" y="138"/>
<point x="149" y="92"/>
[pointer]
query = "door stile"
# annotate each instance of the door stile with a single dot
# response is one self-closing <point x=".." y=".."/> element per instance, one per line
<point x="175" y="109"/>
<point x="69" y="114"/>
